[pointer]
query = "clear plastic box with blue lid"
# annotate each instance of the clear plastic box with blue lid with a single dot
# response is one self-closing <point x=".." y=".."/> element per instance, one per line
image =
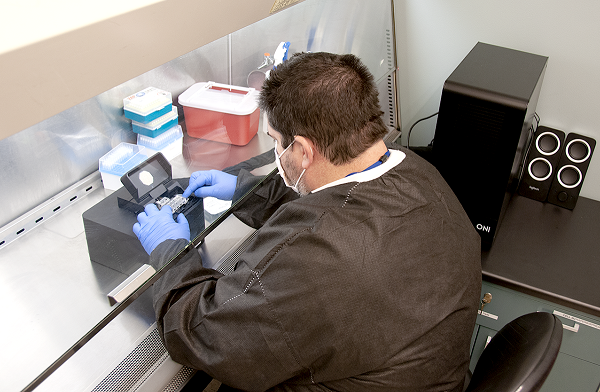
<point x="169" y="143"/>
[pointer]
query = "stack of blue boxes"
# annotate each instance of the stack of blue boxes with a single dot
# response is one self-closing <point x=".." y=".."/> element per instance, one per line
<point x="155" y="121"/>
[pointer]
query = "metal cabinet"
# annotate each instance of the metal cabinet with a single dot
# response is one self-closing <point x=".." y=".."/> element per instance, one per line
<point x="577" y="367"/>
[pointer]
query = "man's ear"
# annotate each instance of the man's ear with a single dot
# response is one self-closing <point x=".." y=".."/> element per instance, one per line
<point x="308" y="151"/>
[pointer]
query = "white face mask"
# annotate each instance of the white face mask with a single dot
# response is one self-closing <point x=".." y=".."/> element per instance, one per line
<point x="282" y="173"/>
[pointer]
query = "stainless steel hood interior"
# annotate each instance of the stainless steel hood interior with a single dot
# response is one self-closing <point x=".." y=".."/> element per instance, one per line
<point x="41" y="162"/>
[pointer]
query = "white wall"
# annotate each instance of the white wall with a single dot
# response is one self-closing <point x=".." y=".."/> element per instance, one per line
<point x="433" y="36"/>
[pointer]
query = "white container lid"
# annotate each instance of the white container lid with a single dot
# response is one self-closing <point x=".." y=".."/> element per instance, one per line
<point x="147" y="101"/>
<point x="220" y="98"/>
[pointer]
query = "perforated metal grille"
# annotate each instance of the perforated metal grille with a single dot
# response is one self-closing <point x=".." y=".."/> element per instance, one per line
<point x="486" y="125"/>
<point x="279" y="5"/>
<point x="389" y="35"/>
<point x="136" y="367"/>
<point x="387" y="85"/>
<point x="391" y="82"/>
<point x="391" y="112"/>
<point x="49" y="209"/>
<point x="180" y="379"/>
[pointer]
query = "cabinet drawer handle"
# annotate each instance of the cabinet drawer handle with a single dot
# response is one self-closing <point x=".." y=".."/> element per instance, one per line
<point x="574" y="328"/>
<point x="577" y="321"/>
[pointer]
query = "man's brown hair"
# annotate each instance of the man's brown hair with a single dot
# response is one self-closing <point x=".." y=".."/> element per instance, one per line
<point x="328" y="98"/>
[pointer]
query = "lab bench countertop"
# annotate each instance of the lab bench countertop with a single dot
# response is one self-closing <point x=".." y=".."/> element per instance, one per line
<point x="549" y="252"/>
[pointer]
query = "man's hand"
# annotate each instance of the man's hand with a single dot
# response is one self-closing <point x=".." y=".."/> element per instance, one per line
<point x="154" y="226"/>
<point x="213" y="183"/>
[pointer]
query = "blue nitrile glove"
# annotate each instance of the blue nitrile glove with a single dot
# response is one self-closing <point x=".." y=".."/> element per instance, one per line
<point x="154" y="226"/>
<point x="213" y="183"/>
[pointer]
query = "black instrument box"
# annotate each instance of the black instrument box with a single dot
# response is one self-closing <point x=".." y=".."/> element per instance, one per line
<point x="484" y="126"/>
<point x="109" y="224"/>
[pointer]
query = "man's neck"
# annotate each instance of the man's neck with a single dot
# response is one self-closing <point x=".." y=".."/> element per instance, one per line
<point x="325" y="172"/>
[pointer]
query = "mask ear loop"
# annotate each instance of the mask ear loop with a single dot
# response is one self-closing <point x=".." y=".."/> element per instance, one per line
<point x="295" y="187"/>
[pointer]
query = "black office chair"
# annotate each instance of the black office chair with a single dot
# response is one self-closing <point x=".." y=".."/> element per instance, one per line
<point x="519" y="357"/>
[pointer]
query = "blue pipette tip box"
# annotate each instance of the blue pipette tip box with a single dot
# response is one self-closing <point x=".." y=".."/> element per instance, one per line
<point x="156" y="127"/>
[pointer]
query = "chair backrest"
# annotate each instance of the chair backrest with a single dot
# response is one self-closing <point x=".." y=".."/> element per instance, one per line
<point x="520" y="356"/>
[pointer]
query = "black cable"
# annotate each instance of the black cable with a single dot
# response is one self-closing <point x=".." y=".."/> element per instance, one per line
<point x="537" y="119"/>
<point x="418" y="121"/>
<point x="532" y="129"/>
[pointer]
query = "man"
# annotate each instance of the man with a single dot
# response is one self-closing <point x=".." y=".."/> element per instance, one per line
<point x="367" y="281"/>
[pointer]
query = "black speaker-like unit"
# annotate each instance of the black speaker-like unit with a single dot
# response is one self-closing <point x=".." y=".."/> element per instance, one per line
<point x="572" y="167"/>
<point x="484" y="127"/>
<point x="541" y="163"/>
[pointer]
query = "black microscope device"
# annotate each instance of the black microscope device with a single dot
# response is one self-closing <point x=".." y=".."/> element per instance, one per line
<point x="109" y="224"/>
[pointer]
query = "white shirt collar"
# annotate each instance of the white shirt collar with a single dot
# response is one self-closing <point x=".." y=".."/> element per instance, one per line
<point x="394" y="160"/>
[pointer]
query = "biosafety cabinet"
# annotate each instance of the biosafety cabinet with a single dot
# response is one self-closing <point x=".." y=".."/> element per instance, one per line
<point x="70" y="323"/>
<point x="77" y="312"/>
